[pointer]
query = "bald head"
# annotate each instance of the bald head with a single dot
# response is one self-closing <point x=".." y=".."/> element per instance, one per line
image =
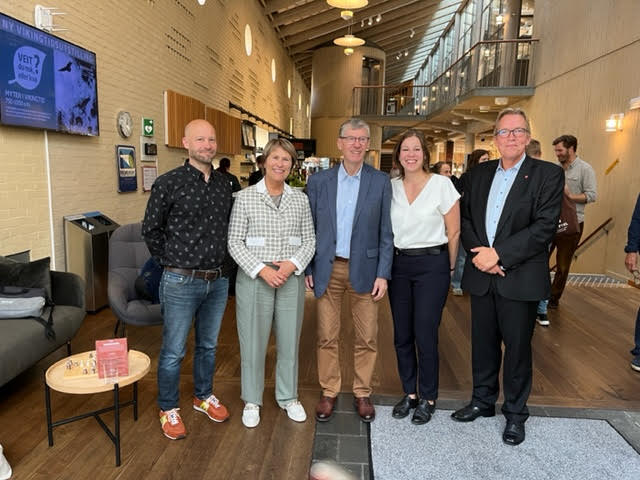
<point x="200" y="139"/>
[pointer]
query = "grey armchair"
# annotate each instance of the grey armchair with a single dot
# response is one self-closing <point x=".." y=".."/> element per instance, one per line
<point x="127" y="254"/>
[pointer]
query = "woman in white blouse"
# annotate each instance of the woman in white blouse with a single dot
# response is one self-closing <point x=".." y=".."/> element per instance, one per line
<point x="425" y="215"/>
<point x="272" y="240"/>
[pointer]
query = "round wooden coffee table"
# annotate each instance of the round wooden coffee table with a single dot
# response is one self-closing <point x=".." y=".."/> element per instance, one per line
<point x="88" y="384"/>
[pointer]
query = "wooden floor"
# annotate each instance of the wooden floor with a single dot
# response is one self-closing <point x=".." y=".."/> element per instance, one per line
<point x="581" y="360"/>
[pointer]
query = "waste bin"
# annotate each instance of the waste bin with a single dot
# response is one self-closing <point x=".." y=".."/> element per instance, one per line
<point x="86" y="248"/>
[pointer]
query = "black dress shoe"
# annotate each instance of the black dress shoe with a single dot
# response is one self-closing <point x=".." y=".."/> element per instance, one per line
<point x="423" y="412"/>
<point x="513" y="433"/>
<point x="471" y="412"/>
<point x="402" y="408"/>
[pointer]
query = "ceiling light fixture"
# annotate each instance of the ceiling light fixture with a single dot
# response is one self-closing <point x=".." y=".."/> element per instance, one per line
<point x="499" y="19"/>
<point x="378" y="18"/>
<point x="349" y="41"/>
<point x="348" y="4"/>
<point x="501" y="101"/>
<point x="370" y="21"/>
<point x="361" y="23"/>
<point x="348" y="51"/>
<point x="455" y="122"/>
<point x="412" y="33"/>
<point x="346" y="14"/>
<point x="202" y="2"/>
<point x="406" y="52"/>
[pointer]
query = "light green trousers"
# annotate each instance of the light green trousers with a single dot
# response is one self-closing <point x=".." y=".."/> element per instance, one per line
<point x="258" y="307"/>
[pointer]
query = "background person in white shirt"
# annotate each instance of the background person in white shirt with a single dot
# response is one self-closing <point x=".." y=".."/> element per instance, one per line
<point x="425" y="216"/>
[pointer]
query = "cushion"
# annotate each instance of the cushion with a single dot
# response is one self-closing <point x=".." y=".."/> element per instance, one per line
<point x="147" y="285"/>
<point x="31" y="275"/>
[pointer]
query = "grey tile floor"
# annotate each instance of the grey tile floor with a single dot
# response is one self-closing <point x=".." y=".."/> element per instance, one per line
<point x="345" y="438"/>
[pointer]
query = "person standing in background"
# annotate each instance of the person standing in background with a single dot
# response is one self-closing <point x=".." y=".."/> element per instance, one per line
<point x="580" y="187"/>
<point x="256" y="176"/>
<point x="534" y="150"/>
<point x="223" y="167"/>
<point x="477" y="156"/>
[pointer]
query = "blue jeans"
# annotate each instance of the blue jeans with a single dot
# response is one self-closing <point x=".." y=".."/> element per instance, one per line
<point x="542" y="307"/>
<point x="182" y="298"/>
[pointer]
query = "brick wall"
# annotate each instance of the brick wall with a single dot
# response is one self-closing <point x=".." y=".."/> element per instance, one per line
<point x="143" y="47"/>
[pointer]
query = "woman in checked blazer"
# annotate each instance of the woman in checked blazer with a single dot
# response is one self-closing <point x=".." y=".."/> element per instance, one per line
<point x="272" y="240"/>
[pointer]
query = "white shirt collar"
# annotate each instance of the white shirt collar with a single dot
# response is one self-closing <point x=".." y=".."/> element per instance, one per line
<point x="261" y="187"/>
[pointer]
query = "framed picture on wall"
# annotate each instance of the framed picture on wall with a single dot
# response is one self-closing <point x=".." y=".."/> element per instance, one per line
<point x="126" y="166"/>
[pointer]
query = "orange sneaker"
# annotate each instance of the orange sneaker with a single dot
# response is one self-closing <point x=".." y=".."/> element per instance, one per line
<point x="172" y="425"/>
<point x="212" y="407"/>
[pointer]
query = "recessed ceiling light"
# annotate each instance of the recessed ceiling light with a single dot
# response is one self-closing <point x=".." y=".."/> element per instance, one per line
<point x="501" y="100"/>
<point x="484" y="108"/>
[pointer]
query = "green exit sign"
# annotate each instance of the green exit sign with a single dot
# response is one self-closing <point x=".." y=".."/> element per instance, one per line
<point x="147" y="127"/>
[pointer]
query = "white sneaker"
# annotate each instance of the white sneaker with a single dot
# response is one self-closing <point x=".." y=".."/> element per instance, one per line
<point x="251" y="415"/>
<point x="542" y="319"/>
<point x="295" y="411"/>
<point x="457" y="292"/>
<point x="5" y="468"/>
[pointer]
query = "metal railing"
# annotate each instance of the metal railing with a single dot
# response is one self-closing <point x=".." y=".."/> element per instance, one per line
<point x="487" y="64"/>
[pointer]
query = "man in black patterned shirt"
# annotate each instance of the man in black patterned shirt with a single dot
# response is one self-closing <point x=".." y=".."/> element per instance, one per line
<point x="185" y="227"/>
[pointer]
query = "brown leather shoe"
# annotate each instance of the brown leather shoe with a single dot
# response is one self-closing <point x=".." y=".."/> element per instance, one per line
<point x="325" y="407"/>
<point x="365" y="409"/>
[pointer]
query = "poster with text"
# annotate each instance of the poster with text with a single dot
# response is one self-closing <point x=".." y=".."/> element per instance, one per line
<point x="126" y="162"/>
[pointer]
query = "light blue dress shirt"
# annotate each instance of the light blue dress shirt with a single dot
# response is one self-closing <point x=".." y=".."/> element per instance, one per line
<point x="346" y="199"/>
<point x="500" y="187"/>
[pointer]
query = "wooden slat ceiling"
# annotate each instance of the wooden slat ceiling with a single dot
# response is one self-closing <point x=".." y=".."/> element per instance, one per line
<point x="305" y="25"/>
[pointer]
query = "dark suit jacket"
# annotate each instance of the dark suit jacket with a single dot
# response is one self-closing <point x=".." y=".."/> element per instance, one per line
<point x="527" y="225"/>
<point x="371" y="237"/>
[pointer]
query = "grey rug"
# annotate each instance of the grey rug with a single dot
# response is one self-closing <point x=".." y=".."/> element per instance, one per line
<point x="555" y="448"/>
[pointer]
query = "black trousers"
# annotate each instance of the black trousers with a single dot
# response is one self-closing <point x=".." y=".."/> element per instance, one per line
<point x="417" y="293"/>
<point x="496" y="320"/>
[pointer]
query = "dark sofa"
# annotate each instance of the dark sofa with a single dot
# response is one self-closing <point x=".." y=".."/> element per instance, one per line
<point x="22" y="340"/>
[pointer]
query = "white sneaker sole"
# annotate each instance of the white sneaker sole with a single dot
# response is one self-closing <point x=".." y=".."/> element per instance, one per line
<point x="543" y="323"/>
<point x="296" y="419"/>
<point x="637" y="369"/>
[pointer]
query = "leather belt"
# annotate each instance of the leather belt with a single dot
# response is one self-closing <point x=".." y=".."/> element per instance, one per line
<point x="208" y="275"/>
<point x="342" y="259"/>
<point x="416" y="252"/>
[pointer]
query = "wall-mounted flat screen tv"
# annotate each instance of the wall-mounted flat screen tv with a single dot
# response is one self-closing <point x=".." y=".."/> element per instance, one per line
<point x="46" y="82"/>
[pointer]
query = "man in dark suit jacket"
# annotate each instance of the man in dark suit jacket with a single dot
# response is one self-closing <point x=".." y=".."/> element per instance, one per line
<point x="350" y="204"/>
<point x="510" y="211"/>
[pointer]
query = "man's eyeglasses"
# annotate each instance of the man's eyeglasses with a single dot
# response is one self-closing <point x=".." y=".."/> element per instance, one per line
<point x="517" y="132"/>
<point x="354" y="139"/>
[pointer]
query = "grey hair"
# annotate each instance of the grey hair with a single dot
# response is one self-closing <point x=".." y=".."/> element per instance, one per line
<point x="354" y="124"/>
<point x="513" y="111"/>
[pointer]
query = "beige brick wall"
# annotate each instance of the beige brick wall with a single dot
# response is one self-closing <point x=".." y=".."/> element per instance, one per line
<point x="143" y="47"/>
